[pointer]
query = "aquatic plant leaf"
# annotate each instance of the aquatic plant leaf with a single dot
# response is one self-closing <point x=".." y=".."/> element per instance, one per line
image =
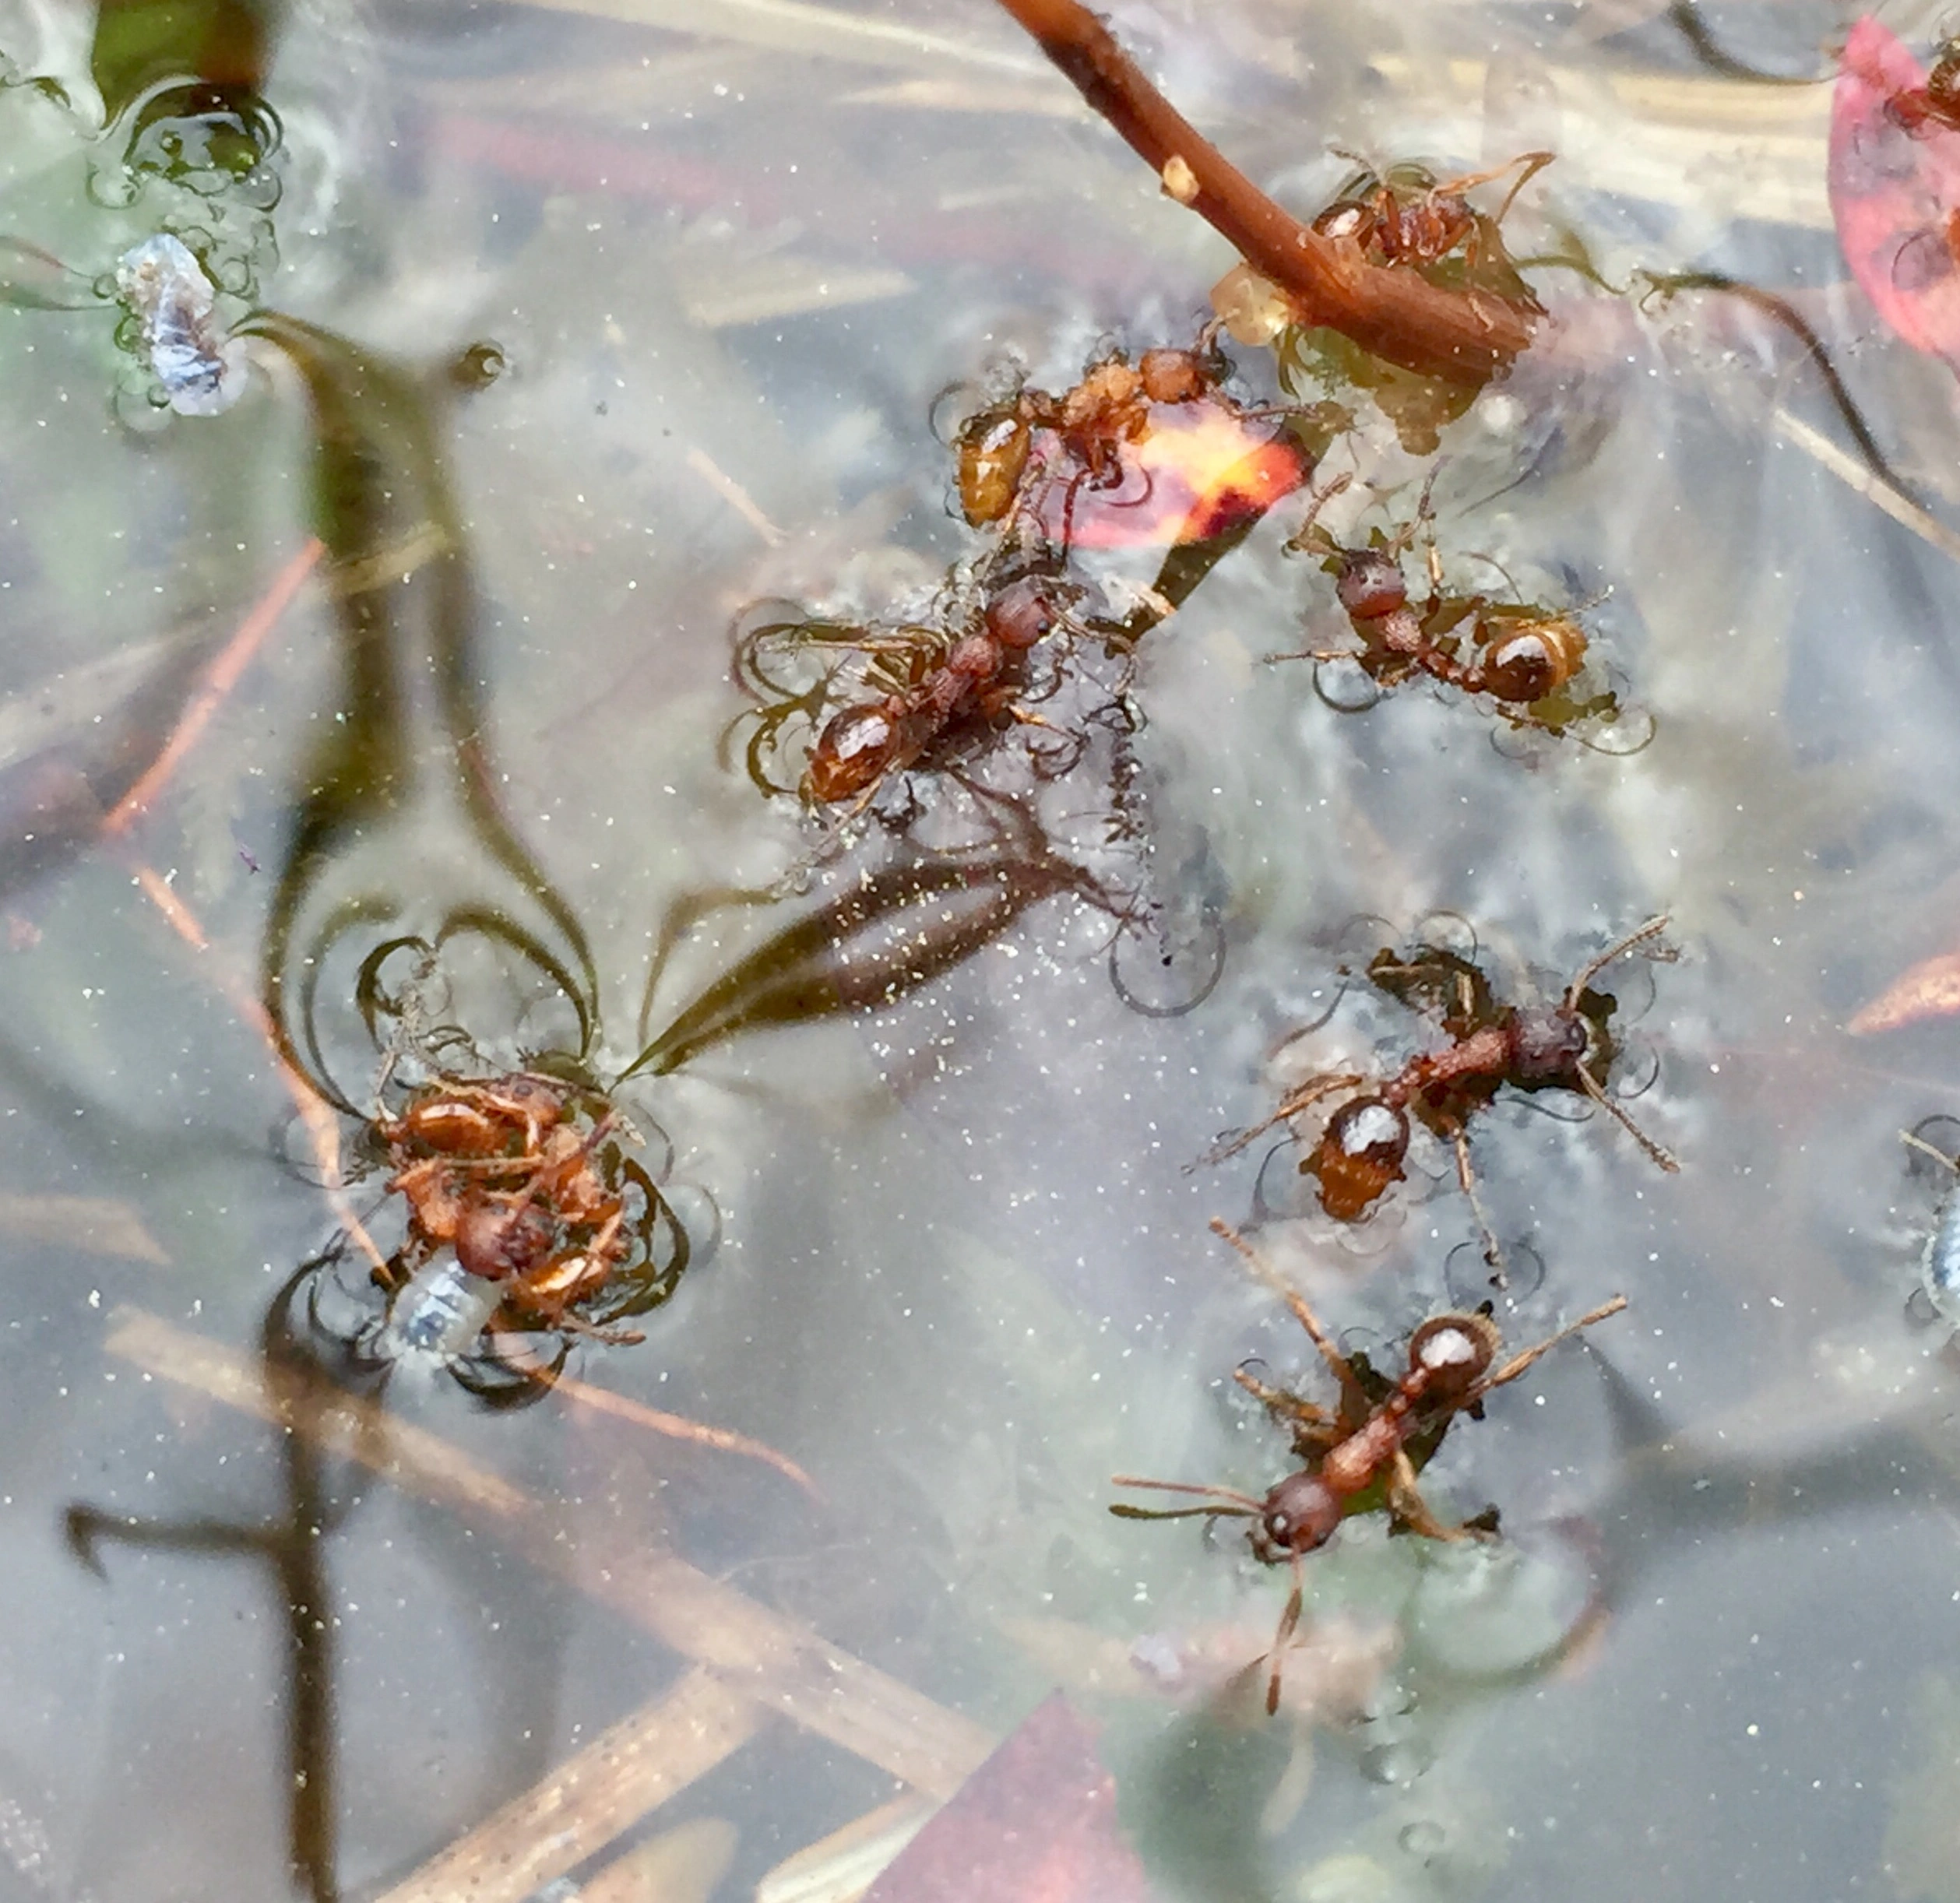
<point x="35" y="279"/>
<point x="1036" y="1823"/>
<point x="898" y="928"/>
<point x="139" y="42"/>
<point x="1895" y="195"/>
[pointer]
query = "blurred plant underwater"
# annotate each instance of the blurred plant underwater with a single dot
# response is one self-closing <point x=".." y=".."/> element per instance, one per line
<point x="963" y="756"/>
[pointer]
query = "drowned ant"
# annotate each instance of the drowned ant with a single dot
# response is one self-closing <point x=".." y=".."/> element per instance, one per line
<point x="1936" y="103"/>
<point x="1523" y="657"/>
<point x="1093" y="423"/>
<point x="1363" y="1453"/>
<point x="980" y="674"/>
<point x="1406" y="216"/>
<point x="1567" y="1045"/>
<point x="524" y="1216"/>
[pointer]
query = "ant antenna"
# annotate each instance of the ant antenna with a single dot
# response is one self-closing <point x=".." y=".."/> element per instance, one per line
<point x="1662" y="1158"/>
<point x="1290" y="1295"/>
<point x="1225" y="1502"/>
<point x="1919" y="1143"/>
<point x="1320" y="497"/>
<point x="1519" y="1363"/>
<point x="1533" y="162"/>
<point x="1282" y="1634"/>
<point x="1652" y="929"/>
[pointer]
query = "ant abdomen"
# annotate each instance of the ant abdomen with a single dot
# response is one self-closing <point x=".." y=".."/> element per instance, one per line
<point x="993" y="457"/>
<point x="854" y="748"/>
<point x="1533" y="662"/>
<point x="1452" y="1353"/>
<point x="1360" y="1154"/>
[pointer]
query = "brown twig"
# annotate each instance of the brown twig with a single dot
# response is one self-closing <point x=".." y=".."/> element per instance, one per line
<point x="1394" y="312"/>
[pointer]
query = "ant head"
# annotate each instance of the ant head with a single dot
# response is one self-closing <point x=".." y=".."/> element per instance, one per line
<point x="1022" y="613"/>
<point x="1360" y="1154"/>
<point x="1370" y="583"/>
<point x="1453" y="1353"/>
<point x="494" y="1240"/>
<point x="1174" y="376"/>
<point x="1551" y="1042"/>
<point x="1300" y="1514"/>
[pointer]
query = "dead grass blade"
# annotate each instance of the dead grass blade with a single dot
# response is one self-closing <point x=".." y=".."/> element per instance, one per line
<point x="782" y="1665"/>
<point x="1853" y="474"/>
<point x="591" y="1799"/>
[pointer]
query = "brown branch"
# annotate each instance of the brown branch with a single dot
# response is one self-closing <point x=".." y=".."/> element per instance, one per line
<point x="1396" y="314"/>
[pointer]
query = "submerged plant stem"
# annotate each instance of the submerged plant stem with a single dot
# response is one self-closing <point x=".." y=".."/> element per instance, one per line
<point x="1394" y="313"/>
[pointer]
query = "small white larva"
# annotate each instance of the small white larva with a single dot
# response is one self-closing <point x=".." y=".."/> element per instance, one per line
<point x="439" y="1313"/>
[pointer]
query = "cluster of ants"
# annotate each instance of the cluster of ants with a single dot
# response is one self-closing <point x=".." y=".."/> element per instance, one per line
<point x="526" y="1225"/>
<point x="1363" y="1455"/>
<point x="524" y="1217"/>
<point x="1040" y="477"/>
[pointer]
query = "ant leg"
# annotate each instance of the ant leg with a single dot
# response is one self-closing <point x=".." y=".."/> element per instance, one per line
<point x="1293" y="1299"/>
<point x="1919" y="1143"/>
<point x="1406" y="1503"/>
<point x="1308" y="1093"/>
<point x="1493" y="1250"/>
<point x="1282" y="1636"/>
<point x="1517" y="1363"/>
<point x="1662" y="1158"/>
<point x="1652" y="929"/>
<point x="1320" y="499"/>
<point x="1280" y="1401"/>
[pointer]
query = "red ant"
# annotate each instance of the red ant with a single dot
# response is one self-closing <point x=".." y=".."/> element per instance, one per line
<point x="1568" y="1046"/>
<point x="980" y="674"/>
<point x="520" y="1179"/>
<point x="1937" y="102"/>
<point x="1520" y="656"/>
<point x="1110" y="408"/>
<point x="1364" y="1452"/>
<point x="1405" y="216"/>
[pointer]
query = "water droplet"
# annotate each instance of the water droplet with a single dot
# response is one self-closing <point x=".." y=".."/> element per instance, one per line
<point x="1923" y="259"/>
<point x="1168" y="959"/>
<point x="1423" y="1839"/>
<point x="1400" y="1763"/>
<point x="1345" y="685"/>
<point x="1471" y="1280"/>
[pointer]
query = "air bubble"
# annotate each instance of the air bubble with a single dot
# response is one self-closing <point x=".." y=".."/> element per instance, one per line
<point x="1345" y="685"/>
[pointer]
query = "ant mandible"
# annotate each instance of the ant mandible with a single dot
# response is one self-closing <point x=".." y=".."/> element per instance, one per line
<point x="1566" y="1046"/>
<point x="1519" y="655"/>
<point x="1365" y="1450"/>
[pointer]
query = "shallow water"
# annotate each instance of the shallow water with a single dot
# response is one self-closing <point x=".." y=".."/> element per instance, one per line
<point x="731" y="256"/>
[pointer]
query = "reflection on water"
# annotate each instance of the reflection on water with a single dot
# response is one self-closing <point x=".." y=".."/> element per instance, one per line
<point x="362" y="756"/>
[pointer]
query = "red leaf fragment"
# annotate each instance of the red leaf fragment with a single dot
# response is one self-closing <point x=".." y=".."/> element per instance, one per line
<point x="1929" y="989"/>
<point x="1200" y="470"/>
<point x="1895" y="191"/>
<point x="1036" y="1823"/>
